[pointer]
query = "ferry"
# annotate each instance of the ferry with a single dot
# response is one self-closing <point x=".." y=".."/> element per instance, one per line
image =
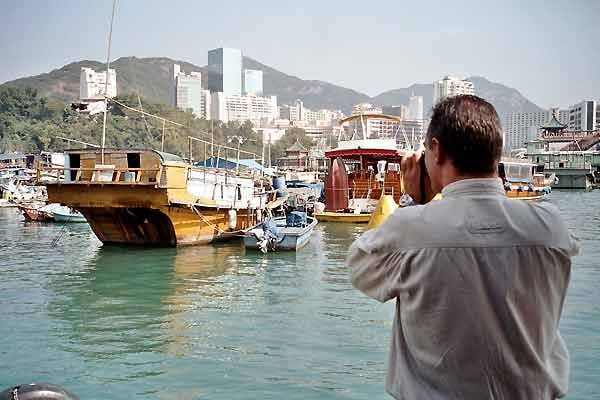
<point x="361" y="171"/>
<point x="152" y="198"/>
<point x="521" y="180"/>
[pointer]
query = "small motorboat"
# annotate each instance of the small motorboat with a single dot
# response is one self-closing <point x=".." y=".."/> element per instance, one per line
<point x="291" y="232"/>
<point x="63" y="213"/>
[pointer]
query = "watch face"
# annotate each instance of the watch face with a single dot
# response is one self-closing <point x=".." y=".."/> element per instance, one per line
<point x="406" y="200"/>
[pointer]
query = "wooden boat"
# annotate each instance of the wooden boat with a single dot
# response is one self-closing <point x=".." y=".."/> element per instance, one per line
<point x="286" y="237"/>
<point x="521" y="181"/>
<point x="151" y="198"/>
<point x="35" y="213"/>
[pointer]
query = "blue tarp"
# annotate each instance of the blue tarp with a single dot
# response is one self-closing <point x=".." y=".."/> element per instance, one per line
<point x="231" y="163"/>
<point x="296" y="219"/>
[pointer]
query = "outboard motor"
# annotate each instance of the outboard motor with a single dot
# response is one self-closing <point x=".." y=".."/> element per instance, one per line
<point x="37" y="391"/>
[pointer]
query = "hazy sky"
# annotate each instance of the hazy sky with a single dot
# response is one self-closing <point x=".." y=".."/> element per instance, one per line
<point x="550" y="51"/>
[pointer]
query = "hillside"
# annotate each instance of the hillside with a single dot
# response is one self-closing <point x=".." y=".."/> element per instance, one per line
<point x="150" y="78"/>
<point x="400" y="96"/>
<point x="314" y="94"/>
<point x="504" y="98"/>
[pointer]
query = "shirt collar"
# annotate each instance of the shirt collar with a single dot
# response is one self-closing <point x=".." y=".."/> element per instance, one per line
<point x="489" y="186"/>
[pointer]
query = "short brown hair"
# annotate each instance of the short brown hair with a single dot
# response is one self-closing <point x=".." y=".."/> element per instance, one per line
<point x="469" y="132"/>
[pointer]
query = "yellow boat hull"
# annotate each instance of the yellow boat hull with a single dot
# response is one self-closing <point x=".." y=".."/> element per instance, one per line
<point x="143" y="216"/>
<point x="385" y="207"/>
<point x="349" y="218"/>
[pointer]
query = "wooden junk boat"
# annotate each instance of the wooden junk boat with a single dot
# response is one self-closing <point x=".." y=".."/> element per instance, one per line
<point x="147" y="197"/>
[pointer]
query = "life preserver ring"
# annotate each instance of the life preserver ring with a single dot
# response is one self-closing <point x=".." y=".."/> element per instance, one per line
<point x="37" y="391"/>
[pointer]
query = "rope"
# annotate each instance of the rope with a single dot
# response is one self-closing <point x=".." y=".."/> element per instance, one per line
<point x="214" y="226"/>
<point x="193" y="207"/>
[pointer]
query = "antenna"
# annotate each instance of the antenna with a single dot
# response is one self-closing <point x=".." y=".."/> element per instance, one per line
<point x="112" y="18"/>
<point x="362" y="124"/>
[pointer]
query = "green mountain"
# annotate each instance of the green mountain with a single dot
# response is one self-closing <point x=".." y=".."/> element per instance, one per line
<point x="150" y="78"/>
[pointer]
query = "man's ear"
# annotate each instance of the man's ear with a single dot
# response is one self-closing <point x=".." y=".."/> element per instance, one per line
<point x="438" y="154"/>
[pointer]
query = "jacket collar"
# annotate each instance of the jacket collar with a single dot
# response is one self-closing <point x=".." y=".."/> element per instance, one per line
<point x="477" y="186"/>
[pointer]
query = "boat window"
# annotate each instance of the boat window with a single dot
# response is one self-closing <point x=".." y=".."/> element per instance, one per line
<point x="517" y="172"/>
<point x="133" y="160"/>
<point x="74" y="162"/>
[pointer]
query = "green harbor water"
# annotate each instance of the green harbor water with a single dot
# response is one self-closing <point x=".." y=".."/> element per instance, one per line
<point x="217" y="322"/>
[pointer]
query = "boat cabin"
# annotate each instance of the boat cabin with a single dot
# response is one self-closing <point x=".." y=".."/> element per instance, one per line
<point x="361" y="172"/>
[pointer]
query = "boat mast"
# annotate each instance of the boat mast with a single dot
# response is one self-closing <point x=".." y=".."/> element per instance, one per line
<point x="112" y="18"/>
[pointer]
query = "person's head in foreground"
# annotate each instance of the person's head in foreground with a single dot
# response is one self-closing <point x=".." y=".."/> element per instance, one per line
<point x="464" y="140"/>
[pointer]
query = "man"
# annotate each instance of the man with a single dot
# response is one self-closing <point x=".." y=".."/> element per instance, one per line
<point x="479" y="279"/>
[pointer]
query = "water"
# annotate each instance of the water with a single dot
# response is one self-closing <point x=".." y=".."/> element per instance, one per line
<point x="216" y="322"/>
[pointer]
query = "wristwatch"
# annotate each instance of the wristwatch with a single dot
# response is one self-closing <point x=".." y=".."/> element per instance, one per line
<point x="406" y="200"/>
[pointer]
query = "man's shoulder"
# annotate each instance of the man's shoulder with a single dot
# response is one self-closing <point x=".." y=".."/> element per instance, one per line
<point x="541" y="213"/>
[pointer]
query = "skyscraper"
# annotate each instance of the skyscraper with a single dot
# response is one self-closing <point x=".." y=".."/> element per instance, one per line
<point x="225" y="71"/>
<point x="415" y="107"/>
<point x="584" y="116"/>
<point x="449" y="87"/>
<point x="253" y="82"/>
<point x="188" y="93"/>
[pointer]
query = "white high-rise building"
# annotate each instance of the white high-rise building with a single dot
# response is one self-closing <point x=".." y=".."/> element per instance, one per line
<point x="297" y="112"/>
<point x="188" y="93"/>
<point x="259" y="110"/>
<point x="450" y="86"/>
<point x="252" y="82"/>
<point x="92" y="84"/>
<point x="415" y="107"/>
<point x="225" y="71"/>
<point x="584" y="116"/>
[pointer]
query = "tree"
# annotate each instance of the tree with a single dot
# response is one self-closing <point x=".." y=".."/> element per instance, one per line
<point x="291" y="136"/>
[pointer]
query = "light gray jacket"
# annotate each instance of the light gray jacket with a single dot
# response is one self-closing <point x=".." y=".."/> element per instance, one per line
<point x="480" y="281"/>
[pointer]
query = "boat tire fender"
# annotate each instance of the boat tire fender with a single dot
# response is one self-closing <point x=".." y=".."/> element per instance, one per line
<point x="232" y="219"/>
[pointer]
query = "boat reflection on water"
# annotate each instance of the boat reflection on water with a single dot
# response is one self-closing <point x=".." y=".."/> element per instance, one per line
<point x="201" y="286"/>
<point x="115" y="307"/>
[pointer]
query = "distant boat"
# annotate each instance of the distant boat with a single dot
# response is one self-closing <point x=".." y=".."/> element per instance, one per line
<point x="281" y="233"/>
<point x="63" y="213"/>
<point x="35" y="213"/>
<point x="522" y="182"/>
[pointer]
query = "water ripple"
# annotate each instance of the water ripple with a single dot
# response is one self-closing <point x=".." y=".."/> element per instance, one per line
<point x="219" y="322"/>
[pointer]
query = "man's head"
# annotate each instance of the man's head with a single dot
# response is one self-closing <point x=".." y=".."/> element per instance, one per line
<point x="464" y="140"/>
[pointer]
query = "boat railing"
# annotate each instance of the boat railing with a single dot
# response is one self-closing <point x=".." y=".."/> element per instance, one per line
<point x="101" y="175"/>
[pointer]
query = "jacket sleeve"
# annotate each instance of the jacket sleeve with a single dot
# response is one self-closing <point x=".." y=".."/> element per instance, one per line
<point x="370" y="264"/>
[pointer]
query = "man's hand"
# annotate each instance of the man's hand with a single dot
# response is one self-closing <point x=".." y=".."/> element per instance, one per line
<point x="412" y="166"/>
<point x="411" y="174"/>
